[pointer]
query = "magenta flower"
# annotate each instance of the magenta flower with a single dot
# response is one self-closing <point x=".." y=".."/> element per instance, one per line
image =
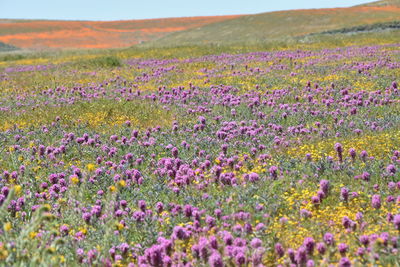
<point x="339" y="151"/>
<point x="344" y="193"/>
<point x="279" y="250"/>
<point x="376" y="201"/>
<point x="396" y="221"/>
<point x="343" y="248"/>
<point x="309" y="244"/>
<point x="273" y="170"/>
<point x="329" y="239"/>
<point x="215" y="260"/>
<point x="344" y="262"/>
<point x="321" y="248"/>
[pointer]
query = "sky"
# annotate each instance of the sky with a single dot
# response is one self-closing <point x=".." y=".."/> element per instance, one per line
<point x="145" y="9"/>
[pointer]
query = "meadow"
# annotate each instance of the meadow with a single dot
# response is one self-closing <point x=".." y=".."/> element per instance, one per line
<point x="272" y="154"/>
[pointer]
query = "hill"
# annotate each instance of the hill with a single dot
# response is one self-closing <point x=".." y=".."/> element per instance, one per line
<point x="284" y="24"/>
<point x="40" y="34"/>
<point x="221" y="30"/>
<point x="383" y="3"/>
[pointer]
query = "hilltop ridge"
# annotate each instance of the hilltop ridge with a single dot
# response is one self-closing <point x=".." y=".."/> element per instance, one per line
<point x="234" y="29"/>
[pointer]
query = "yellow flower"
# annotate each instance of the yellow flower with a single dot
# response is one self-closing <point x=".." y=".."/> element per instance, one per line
<point x="90" y="167"/>
<point x="7" y="226"/>
<point x="32" y="235"/>
<point x="120" y="226"/>
<point x="112" y="188"/>
<point x="17" y="189"/>
<point x="122" y="183"/>
<point x="3" y="252"/>
<point x="74" y="179"/>
<point x="62" y="259"/>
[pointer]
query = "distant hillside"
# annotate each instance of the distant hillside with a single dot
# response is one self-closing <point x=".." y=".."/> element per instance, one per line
<point x="283" y="24"/>
<point x="40" y="34"/>
<point x="383" y="3"/>
<point x="225" y="30"/>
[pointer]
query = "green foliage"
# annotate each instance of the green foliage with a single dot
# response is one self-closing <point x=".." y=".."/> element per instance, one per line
<point x="100" y="62"/>
<point x="365" y="28"/>
<point x="6" y="47"/>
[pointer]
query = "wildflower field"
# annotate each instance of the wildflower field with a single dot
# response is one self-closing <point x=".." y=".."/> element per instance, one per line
<point x="202" y="157"/>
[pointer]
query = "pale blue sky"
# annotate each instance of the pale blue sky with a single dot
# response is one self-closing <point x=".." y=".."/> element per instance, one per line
<point x="143" y="9"/>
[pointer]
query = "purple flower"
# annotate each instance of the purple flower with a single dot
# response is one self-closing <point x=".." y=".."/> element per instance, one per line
<point x="343" y="248"/>
<point x="248" y="228"/>
<point x="80" y="252"/>
<point x="347" y="223"/>
<point x="174" y="152"/>
<point x="188" y="210"/>
<point x="376" y="201"/>
<point x="391" y="169"/>
<point x="253" y="177"/>
<point x="260" y="227"/>
<point x="364" y="239"/>
<point x="215" y="260"/>
<point x="210" y="221"/>
<point x="309" y="244"/>
<point x="315" y="200"/>
<point x="273" y="170"/>
<point x="213" y="242"/>
<point x="142" y="205"/>
<point x="310" y="263"/>
<point x="64" y="229"/>
<point x="279" y="250"/>
<point x="86" y="217"/>
<point x="305" y="213"/>
<point x="301" y="255"/>
<point x="324" y="186"/>
<point x="365" y="176"/>
<point x="154" y="255"/>
<point x="344" y="262"/>
<point x="339" y="151"/>
<point x="159" y="207"/>
<point x="321" y="248"/>
<point x="180" y="233"/>
<point x="256" y="243"/>
<point x="352" y="153"/>
<point x="364" y="155"/>
<point x="203" y="248"/>
<point x="344" y="193"/>
<point x="240" y="259"/>
<point x="123" y="247"/>
<point x="329" y="239"/>
<point x="360" y="251"/>
<point x="392" y="186"/>
<point x="239" y="242"/>
<point x="396" y="221"/>
<point x="292" y="255"/>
